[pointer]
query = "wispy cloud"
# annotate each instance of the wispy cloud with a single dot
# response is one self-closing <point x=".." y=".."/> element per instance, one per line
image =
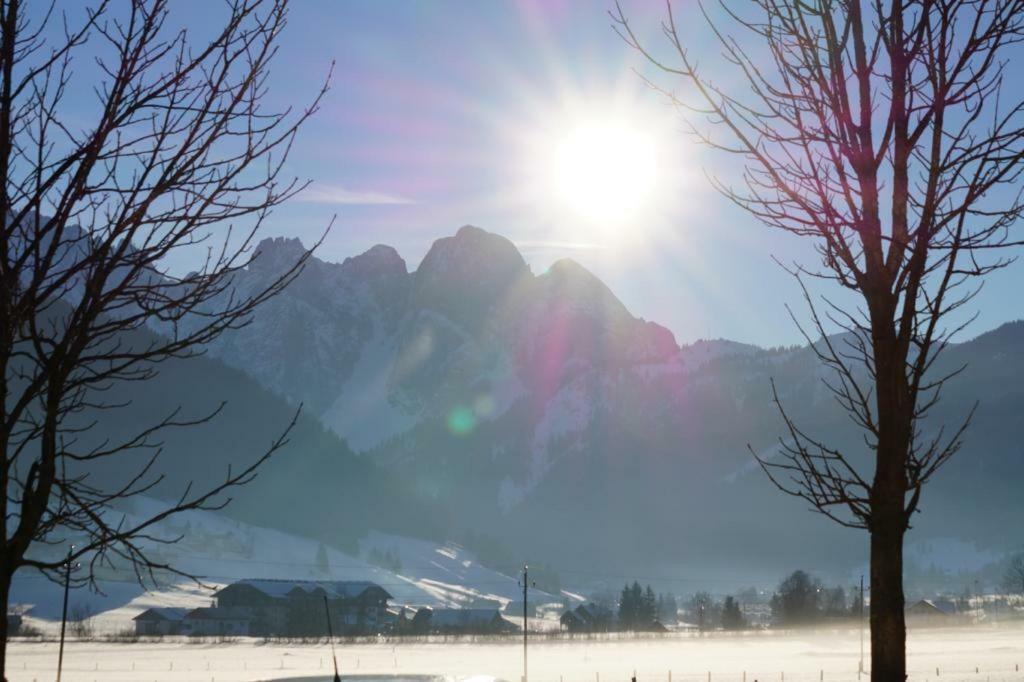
<point x="540" y="245"/>
<point x="321" y="193"/>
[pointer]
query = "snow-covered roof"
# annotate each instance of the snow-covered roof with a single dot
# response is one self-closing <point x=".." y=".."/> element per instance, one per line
<point x="162" y="613"/>
<point x="334" y="589"/>
<point x="927" y="606"/>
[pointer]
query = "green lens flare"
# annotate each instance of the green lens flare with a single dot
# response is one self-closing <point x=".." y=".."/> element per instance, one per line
<point x="461" y="421"/>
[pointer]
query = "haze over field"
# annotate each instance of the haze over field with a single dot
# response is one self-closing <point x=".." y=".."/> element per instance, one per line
<point x="802" y="657"/>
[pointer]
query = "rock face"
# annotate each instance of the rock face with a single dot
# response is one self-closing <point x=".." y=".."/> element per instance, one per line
<point x="537" y="409"/>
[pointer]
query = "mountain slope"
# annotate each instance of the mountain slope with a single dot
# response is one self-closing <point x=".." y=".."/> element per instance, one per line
<point x="537" y="409"/>
<point x="314" y="486"/>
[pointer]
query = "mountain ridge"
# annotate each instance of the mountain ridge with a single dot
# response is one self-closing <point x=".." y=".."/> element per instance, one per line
<point x="498" y="392"/>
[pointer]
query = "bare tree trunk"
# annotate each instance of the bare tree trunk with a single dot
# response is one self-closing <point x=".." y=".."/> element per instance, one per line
<point x="5" y="595"/>
<point x="888" y="492"/>
<point x="888" y="629"/>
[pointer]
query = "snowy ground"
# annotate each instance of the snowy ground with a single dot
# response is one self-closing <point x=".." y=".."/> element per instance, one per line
<point x="802" y="657"/>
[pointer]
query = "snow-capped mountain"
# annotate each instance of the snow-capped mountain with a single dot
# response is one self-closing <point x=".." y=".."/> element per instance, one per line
<point x="536" y="408"/>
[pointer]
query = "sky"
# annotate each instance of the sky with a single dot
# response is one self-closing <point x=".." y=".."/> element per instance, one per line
<point x="443" y="114"/>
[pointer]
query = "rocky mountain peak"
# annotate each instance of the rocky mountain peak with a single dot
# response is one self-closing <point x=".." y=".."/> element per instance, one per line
<point x="275" y="254"/>
<point x="468" y="274"/>
<point x="378" y="262"/>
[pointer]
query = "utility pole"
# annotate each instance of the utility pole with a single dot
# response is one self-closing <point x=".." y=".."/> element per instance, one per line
<point x="64" y="614"/>
<point x="860" y="670"/>
<point x="526" y="622"/>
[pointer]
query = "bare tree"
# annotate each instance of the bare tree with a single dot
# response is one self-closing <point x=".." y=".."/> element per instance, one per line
<point x="182" y="147"/>
<point x="881" y="131"/>
<point x="1013" y="577"/>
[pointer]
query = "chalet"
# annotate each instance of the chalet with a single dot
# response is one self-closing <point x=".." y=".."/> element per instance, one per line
<point x="159" y="621"/>
<point x="462" y="622"/>
<point x="927" y="613"/>
<point x="586" y="618"/>
<point x="296" y="608"/>
<point x="218" y="621"/>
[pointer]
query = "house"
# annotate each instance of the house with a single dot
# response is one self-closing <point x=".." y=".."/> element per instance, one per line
<point x="218" y="621"/>
<point x="586" y="618"/>
<point x="299" y="608"/>
<point x="159" y="621"/>
<point x="927" y="613"/>
<point x="571" y="622"/>
<point x="462" y="621"/>
<point x="399" y="619"/>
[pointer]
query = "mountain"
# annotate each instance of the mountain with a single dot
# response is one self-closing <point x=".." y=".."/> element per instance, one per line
<point x="314" y="486"/>
<point x="535" y="408"/>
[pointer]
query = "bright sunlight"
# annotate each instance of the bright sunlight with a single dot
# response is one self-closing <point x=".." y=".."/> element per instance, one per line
<point x="604" y="170"/>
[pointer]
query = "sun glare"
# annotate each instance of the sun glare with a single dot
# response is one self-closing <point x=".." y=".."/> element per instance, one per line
<point x="605" y="171"/>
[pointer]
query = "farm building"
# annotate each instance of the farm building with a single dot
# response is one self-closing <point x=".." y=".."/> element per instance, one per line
<point x="298" y="608"/>
<point x="462" y="621"/>
<point x="586" y="618"/>
<point x="235" y="621"/>
<point x="159" y="621"/>
<point x="927" y="613"/>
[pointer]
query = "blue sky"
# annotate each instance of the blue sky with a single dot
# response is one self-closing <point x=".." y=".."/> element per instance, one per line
<point x="440" y="114"/>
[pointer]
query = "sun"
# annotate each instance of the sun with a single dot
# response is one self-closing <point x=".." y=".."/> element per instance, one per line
<point x="604" y="171"/>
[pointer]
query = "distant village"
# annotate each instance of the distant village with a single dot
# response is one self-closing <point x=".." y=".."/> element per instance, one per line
<point x="308" y="608"/>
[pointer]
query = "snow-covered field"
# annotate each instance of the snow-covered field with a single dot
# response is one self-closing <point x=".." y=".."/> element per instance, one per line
<point x="794" y="657"/>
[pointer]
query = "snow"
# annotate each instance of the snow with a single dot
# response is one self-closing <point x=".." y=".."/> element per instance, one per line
<point x="221" y="550"/>
<point x="802" y="657"/>
<point x="559" y="431"/>
<point x="449" y="574"/>
<point x="363" y="412"/>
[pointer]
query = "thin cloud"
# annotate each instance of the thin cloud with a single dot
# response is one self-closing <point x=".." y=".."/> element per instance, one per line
<point x="319" y="193"/>
<point x="534" y="245"/>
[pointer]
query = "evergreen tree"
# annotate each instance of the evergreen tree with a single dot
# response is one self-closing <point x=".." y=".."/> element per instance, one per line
<point x="648" y="609"/>
<point x="732" y="617"/>
<point x="627" y="609"/>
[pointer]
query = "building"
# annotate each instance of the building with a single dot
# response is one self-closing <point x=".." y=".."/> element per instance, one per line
<point x="462" y="622"/>
<point x="587" y="618"/>
<point x="927" y="613"/>
<point x="300" y="608"/>
<point x="232" y="621"/>
<point x="157" y="622"/>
